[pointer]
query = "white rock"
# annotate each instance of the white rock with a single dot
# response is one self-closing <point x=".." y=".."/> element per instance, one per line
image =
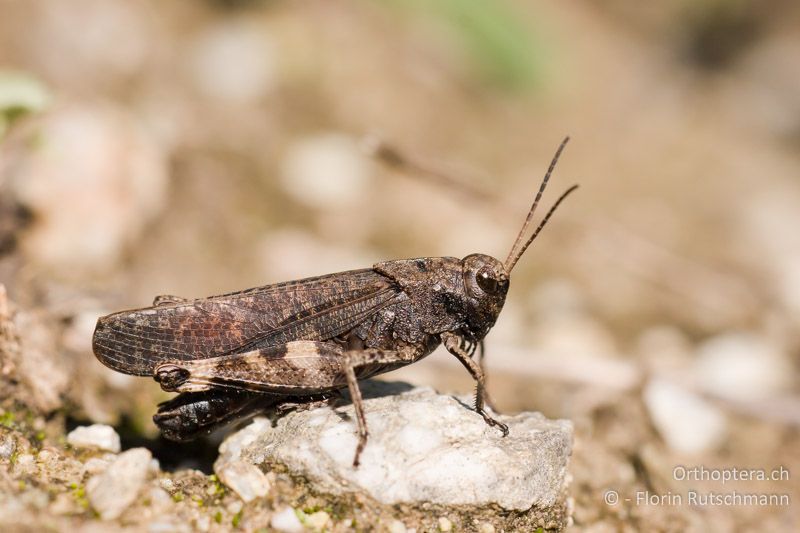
<point x="234" y="61"/>
<point x="396" y="526"/>
<point x="445" y="524"/>
<point x="95" y="465"/>
<point x="286" y="521"/>
<point x="169" y="525"/>
<point x="111" y="492"/>
<point x="424" y="448"/>
<point x="326" y="171"/>
<point x="7" y="446"/>
<point x="687" y="422"/>
<point x="202" y="523"/>
<point x="317" y="521"/>
<point x="98" y="436"/>
<point x="244" y="479"/>
<point x="160" y="500"/>
<point x="234" y="507"/>
<point x="93" y="186"/>
<point x="743" y="367"/>
<point x="485" y="527"/>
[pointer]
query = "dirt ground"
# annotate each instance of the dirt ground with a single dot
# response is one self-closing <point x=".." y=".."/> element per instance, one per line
<point x="196" y="148"/>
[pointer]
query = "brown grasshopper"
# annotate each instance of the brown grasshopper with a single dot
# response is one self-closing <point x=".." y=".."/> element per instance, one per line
<point x="298" y="342"/>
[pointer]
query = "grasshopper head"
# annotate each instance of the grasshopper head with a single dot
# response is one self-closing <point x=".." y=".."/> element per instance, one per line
<point x="486" y="279"/>
<point x="486" y="282"/>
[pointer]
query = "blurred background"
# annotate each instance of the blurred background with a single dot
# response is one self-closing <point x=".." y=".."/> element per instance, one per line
<point x="194" y="148"/>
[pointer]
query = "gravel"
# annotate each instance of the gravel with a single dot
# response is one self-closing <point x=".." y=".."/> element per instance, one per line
<point x="111" y="492"/>
<point x="97" y="436"/>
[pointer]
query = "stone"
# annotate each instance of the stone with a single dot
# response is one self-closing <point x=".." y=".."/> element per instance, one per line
<point x="234" y="62"/>
<point x="326" y="170"/>
<point x="396" y="526"/>
<point x="286" y="521"/>
<point x="686" y="421"/>
<point x="317" y="521"/>
<point x="445" y="524"/>
<point x="95" y="465"/>
<point x="485" y="527"/>
<point x="97" y="436"/>
<point x="7" y="446"/>
<point x="102" y="149"/>
<point x="244" y="479"/>
<point x="111" y="492"/>
<point x="743" y="367"/>
<point x="425" y="449"/>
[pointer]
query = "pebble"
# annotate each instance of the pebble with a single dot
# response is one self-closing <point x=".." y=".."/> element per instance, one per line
<point x="234" y="62"/>
<point x="97" y="436"/>
<point x="99" y="148"/>
<point x="167" y="525"/>
<point x="326" y="170"/>
<point x="485" y="527"/>
<point x="687" y="422"/>
<point x="234" y="507"/>
<point x="286" y="521"/>
<point x="317" y="521"/>
<point x="160" y="500"/>
<point x="445" y="524"/>
<point x="743" y="367"/>
<point x="244" y="479"/>
<point x="396" y="526"/>
<point x="111" y="492"/>
<point x="203" y="523"/>
<point x="7" y="446"/>
<point x="25" y="465"/>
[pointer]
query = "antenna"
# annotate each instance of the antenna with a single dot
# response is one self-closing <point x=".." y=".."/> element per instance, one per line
<point x="516" y="251"/>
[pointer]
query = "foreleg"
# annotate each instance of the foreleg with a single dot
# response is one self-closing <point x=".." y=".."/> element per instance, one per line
<point x="453" y="343"/>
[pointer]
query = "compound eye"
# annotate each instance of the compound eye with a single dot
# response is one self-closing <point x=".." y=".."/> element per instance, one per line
<point x="486" y="281"/>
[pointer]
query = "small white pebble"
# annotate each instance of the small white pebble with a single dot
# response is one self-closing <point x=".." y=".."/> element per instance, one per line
<point x="95" y="465"/>
<point x="24" y="459"/>
<point x="166" y="525"/>
<point x="445" y="524"/>
<point x="159" y="498"/>
<point x="203" y="523"/>
<point x="44" y="456"/>
<point x="317" y="521"/>
<point x="485" y="527"/>
<point x="244" y="479"/>
<point x="235" y="506"/>
<point x="154" y="466"/>
<point x="286" y="521"/>
<point x="113" y="491"/>
<point x="7" y="447"/>
<point x="97" y="436"/>
<point x="396" y="526"/>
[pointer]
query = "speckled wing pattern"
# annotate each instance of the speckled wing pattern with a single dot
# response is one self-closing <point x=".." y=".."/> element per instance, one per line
<point x="313" y="309"/>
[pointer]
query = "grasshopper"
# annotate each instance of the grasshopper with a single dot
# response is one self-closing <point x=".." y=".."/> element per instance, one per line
<point x="300" y="342"/>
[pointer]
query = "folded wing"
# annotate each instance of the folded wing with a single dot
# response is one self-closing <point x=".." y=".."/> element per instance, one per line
<point x="313" y="309"/>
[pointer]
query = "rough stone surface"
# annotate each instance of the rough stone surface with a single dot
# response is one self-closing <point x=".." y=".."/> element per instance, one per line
<point x="98" y="436"/>
<point x="424" y="449"/>
<point x="111" y="492"/>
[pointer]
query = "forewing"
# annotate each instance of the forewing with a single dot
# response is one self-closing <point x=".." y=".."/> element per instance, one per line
<point x="312" y="309"/>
